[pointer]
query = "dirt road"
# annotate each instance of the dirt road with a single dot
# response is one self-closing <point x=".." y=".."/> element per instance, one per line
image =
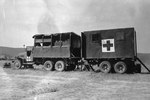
<point x="31" y="84"/>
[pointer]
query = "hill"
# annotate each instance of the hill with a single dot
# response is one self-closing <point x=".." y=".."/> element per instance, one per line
<point x="10" y="52"/>
<point x="145" y="57"/>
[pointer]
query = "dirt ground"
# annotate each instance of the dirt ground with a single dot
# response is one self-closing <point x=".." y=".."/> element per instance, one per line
<point x="30" y="84"/>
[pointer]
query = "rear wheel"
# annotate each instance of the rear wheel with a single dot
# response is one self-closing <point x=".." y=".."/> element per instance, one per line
<point x="105" y="66"/>
<point x="17" y="64"/>
<point x="60" y="66"/>
<point x="120" y="67"/>
<point x="48" y="65"/>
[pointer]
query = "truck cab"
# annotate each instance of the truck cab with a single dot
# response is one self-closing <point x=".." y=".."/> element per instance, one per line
<point x="24" y="59"/>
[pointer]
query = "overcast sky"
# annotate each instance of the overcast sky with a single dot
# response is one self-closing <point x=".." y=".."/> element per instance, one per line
<point x="21" y="19"/>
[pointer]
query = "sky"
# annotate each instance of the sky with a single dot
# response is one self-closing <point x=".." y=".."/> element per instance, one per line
<point x="21" y="19"/>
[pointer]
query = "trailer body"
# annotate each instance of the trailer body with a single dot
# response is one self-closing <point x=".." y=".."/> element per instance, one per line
<point x="112" y="43"/>
<point x="112" y="50"/>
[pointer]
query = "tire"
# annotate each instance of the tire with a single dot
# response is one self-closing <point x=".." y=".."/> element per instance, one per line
<point x="60" y="66"/>
<point x="120" y="67"/>
<point x="48" y="66"/>
<point x="105" y="67"/>
<point x="17" y="64"/>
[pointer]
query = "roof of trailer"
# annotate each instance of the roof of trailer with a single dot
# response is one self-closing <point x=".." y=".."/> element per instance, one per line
<point x="109" y="29"/>
<point x="40" y="35"/>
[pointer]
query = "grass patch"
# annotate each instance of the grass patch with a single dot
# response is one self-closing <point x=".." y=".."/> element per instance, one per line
<point x="43" y="91"/>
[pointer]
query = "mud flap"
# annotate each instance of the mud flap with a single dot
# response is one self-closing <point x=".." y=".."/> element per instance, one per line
<point x="137" y="68"/>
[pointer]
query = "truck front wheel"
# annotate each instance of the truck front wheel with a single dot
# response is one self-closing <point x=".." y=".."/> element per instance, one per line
<point x="105" y="67"/>
<point x="120" y="67"/>
<point x="60" y="66"/>
<point x="17" y="64"/>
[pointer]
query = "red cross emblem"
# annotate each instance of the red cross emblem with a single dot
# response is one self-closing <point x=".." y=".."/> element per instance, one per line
<point x="108" y="45"/>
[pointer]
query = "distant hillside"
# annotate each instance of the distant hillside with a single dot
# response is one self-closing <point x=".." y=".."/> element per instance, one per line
<point x="8" y="51"/>
<point x="145" y="57"/>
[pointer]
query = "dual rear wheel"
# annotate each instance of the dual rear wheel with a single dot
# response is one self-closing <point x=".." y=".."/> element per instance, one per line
<point x="105" y="67"/>
<point x="48" y="65"/>
<point x="59" y="65"/>
<point x="119" y="67"/>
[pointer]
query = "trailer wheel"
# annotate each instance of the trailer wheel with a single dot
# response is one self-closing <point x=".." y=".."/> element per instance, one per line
<point x="105" y="67"/>
<point x="120" y="67"/>
<point x="60" y="66"/>
<point x="48" y="65"/>
<point x="17" y="64"/>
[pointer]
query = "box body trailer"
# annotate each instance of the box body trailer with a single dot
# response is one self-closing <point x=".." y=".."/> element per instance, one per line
<point x="110" y="49"/>
<point x="115" y="43"/>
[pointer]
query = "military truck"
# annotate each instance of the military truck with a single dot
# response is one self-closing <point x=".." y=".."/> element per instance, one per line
<point x="59" y="51"/>
<point x="112" y="50"/>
